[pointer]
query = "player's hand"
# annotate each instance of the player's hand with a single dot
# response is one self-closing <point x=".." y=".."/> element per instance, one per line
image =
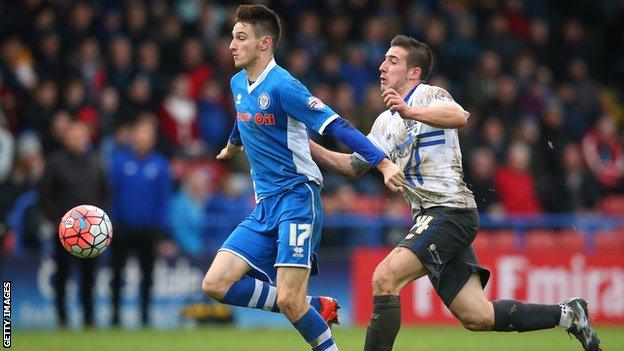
<point x="394" y="102"/>
<point x="393" y="175"/>
<point x="229" y="151"/>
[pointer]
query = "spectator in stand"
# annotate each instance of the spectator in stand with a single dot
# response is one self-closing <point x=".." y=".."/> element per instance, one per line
<point x="89" y="67"/>
<point x="7" y="145"/>
<point x="120" y="69"/>
<point x="214" y="119"/>
<point x="197" y="70"/>
<point x="135" y="21"/>
<point x="75" y="102"/>
<point x="79" y="24"/>
<point x="178" y="114"/>
<point x="375" y="41"/>
<point x="576" y="191"/>
<point x="482" y="84"/>
<point x="463" y="47"/>
<point x="357" y="73"/>
<point x="53" y="140"/>
<point x="493" y="137"/>
<point x="49" y="57"/>
<point x="230" y="202"/>
<point x="37" y="115"/>
<point x="515" y="184"/>
<point x="170" y="40"/>
<point x="110" y="110"/>
<point x="23" y="178"/>
<point x="188" y="215"/>
<point x="505" y="105"/>
<point x="139" y="97"/>
<point x="499" y="39"/>
<point x="539" y="42"/>
<point x="142" y="185"/>
<point x="480" y="179"/>
<point x="73" y="176"/>
<point x="603" y="152"/>
<point x="19" y="65"/>
<point x="528" y="132"/>
<point x="299" y="66"/>
<point x="309" y="36"/>
<point x="148" y="64"/>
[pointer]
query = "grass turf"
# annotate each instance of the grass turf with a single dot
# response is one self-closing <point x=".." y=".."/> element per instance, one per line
<point x="227" y="338"/>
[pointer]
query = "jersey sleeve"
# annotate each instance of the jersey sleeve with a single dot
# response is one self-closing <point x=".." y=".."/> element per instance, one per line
<point x="298" y="103"/>
<point x="376" y="137"/>
<point x="440" y="97"/>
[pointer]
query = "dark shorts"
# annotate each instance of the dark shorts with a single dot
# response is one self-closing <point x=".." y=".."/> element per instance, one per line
<point x="441" y="238"/>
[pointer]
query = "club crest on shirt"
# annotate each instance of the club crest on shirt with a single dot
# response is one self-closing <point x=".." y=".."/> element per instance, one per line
<point x="315" y="103"/>
<point x="443" y="96"/>
<point x="264" y="101"/>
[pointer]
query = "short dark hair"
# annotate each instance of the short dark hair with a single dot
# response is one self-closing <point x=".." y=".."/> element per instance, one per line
<point x="418" y="54"/>
<point x="263" y="20"/>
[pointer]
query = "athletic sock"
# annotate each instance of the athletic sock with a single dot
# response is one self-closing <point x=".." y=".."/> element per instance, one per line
<point x="315" y="331"/>
<point x="254" y="293"/>
<point x="567" y="316"/>
<point x="385" y="323"/>
<point x="512" y="315"/>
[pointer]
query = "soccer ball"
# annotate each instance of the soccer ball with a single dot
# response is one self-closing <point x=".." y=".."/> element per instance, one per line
<point x="85" y="231"/>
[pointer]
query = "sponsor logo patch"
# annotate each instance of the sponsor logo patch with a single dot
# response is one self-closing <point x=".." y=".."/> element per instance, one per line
<point x="315" y="103"/>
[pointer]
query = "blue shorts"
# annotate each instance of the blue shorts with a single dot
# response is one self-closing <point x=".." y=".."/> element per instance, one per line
<point x="283" y="230"/>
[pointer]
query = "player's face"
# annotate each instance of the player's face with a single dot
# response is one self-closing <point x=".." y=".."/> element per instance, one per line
<point x="394" y="70"/>
<point x="245" y="45"/>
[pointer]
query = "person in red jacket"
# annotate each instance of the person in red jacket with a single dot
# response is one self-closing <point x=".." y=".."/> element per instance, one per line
<point x="603" y="152"/>
<point x="515" y="184"/>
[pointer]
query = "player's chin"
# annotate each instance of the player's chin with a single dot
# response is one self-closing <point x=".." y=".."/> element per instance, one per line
<point x="238" y="62"/>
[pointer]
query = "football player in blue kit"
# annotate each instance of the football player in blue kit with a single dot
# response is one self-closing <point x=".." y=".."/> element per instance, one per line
<point x="266" y="261"/>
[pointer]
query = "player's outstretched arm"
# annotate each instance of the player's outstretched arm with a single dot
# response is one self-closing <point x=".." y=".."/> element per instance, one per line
<point x="346" y="133"/>
<point x="348" y="165"/>
<point x="445" y="116"/>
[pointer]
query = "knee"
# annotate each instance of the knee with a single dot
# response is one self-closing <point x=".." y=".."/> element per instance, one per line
<point x="215" y="287"/>
<point x="384" y="282"/>
<point x="479" y="320"/>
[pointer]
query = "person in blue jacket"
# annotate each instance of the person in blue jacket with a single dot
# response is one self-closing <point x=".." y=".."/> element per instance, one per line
<point x="142" y="185"/>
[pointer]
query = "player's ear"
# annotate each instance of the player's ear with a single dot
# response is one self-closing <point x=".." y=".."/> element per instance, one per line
<point x="266" y="43"/>
<point x="414" y="73"/>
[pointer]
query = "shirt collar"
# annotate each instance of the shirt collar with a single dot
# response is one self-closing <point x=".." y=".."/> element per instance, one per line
<point x="267" y="69"/>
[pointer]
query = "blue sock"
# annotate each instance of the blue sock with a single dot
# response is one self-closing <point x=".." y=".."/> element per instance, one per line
<point x="315" y="331"/>
<point x="314" y="302"/>
<point x="254" y="293"/>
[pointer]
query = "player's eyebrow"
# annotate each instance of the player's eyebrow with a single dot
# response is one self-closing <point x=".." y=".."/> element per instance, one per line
<point x="392" y="57"/>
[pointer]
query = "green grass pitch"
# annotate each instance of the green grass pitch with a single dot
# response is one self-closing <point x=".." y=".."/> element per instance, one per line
<point x="232" y="339"/>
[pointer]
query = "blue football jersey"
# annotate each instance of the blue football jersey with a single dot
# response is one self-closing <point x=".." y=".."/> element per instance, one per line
<point x="273" y="115"/>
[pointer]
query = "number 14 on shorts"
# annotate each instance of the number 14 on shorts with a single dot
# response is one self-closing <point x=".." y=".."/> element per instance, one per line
<point x="422" y="223"/>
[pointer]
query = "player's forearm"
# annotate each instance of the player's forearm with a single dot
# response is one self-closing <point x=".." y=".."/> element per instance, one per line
<point x="443" y="116"/>
<point x="338" y="162"/>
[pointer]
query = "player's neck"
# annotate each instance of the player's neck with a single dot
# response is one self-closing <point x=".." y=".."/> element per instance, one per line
<point x="407" y="88"/>
<point x="255" y="69"/>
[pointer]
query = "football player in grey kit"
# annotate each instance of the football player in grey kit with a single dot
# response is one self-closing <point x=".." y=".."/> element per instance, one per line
<point x="419" y="133"/>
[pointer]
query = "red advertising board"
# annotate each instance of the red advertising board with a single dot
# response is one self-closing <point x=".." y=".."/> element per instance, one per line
<point x="538" y="276"/>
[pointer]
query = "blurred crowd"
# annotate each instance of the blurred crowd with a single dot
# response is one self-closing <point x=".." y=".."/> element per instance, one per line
<point x="147" y="85"/>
